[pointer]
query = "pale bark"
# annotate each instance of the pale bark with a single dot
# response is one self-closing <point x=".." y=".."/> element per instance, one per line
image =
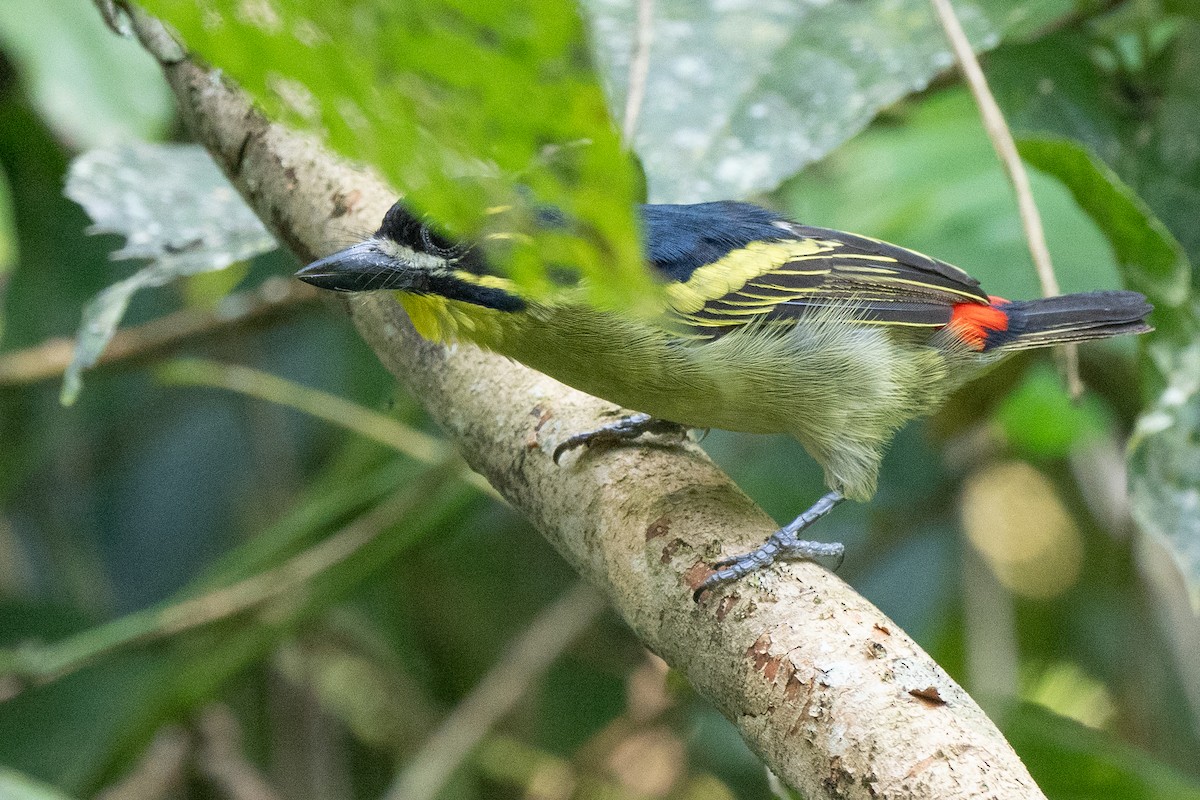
<point x="838" y="701"/>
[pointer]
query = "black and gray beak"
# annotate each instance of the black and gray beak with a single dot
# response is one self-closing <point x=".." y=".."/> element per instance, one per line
<point x="358" y="268"/>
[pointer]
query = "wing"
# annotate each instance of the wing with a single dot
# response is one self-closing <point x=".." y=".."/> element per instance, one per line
<point x="800" y="269"/>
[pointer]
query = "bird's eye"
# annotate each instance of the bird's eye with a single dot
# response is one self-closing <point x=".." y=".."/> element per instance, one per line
<point x="437" y="245"/>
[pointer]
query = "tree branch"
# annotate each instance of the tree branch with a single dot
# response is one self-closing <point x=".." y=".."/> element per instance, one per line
<point x="262" y="306"/>
<point x="835" y="698"/>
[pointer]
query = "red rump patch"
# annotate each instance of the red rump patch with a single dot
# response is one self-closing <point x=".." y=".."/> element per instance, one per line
<point x="974" y="322"/>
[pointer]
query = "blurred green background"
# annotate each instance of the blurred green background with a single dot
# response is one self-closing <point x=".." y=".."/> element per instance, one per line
<point x="1002" y="537"/>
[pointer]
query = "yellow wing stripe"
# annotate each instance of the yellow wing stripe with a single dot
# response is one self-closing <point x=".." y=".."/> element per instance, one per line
<point x="801" y="271"/>
<point x="749" y="302"/>
<point x="777" y="287"/>
<point x="736" y="312"/>
<point x="859" y="268"/>
<point x="736" y="269"/>
<point x="845" y="256"/>
<point x="935" y="286"/>
<point x="712" y="323"/>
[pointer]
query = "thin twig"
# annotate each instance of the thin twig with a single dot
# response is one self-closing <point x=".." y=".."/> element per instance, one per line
<point x="159" y="772"/>
<point x="1006" y="149"/>
<point x="255" y="383"/>
<point x="49" y="359"/>
<point x="222" y="761"/>
<point x="527" y="660"/>
<point x="301" y="568"/>
<point x="639" y="69"/>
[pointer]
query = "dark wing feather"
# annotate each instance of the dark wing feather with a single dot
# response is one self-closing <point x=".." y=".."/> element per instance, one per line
<point x="802" y="269"/>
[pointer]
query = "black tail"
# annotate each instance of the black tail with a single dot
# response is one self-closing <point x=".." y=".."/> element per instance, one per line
<point x="1075" y="318"/>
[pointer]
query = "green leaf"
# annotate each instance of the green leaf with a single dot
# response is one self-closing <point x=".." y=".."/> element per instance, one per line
<point x="1151" y="259"/>
<point x="1164" y="461"/>
<point x="741" y="96"/>
<point x="1072" y="762"/>
<point x="94" y="88"/>
<point x="463" y="106"/>
<point x="8" y="243"/>
<point x="1165" y="453"/>
<point x="1041" y="420"/>
<point x="175" y="208"/>
<point x="1184" y="8"/>
<point x="16" y="786"/>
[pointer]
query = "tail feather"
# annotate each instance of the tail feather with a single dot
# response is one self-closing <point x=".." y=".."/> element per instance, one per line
<point x="1074" y="318"/>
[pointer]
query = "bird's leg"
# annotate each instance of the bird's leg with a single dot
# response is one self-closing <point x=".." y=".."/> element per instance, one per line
<point x="622" y="430"/>
<point x="782" y="544"/>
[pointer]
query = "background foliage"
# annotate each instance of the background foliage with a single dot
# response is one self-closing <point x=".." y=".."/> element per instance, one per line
<point x="1001" y="538"/>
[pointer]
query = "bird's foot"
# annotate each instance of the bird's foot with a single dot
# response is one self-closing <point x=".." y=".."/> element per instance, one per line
<point x="623" y="430"/>
<point x="783" y="543"/>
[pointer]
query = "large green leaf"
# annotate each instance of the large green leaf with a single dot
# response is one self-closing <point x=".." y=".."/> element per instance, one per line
<point x="1072" y="762"/>
<point x="175" y="209"/>
<point x="741" y="96"/>
<point x="93" y="87"/>
<point x="1165" y="456"/>
<point x="465" y="106"/>
<point x="1164" y="461"/>
<point x="1152" y="260"/>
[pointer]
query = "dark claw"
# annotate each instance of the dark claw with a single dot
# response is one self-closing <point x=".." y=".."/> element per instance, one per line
<point x="623" y="430"/>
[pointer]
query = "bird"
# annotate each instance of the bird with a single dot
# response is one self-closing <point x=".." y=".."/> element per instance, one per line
<point x="762" y="325"/>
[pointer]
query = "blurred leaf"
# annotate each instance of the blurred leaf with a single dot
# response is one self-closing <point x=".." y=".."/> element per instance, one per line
<point x="1184" y="8"/>
<point x="1166" y="173"/>
<point x="361" y="686"/>
<point x="174" y="207"/>
<point x="1164" y="461"/>
<point x="65" y="732"/>
<point x="463" y="106"/>
<point x="42" y="724"/>
<point x="8" y="243"/>
<point x="1041" y="420"/>
<point x="94" y="88"/>
<point x="1144" y="124"/>
<point x="741" y="96"/>
<point x="207" y="289"/>
<point x="1073" y="762"/>
<point x="15" y="786"/>
<point x="1152" y="260"/>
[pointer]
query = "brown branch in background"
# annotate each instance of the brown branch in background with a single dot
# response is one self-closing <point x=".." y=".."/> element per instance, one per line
<point x="826" y="689"/>
<point x="221" y="761"/>
<point x="51" y="662"/>
<point x="526" y="660"/>
<point x="639" y="70"/>
<point x="159" y="773"/>
<point x="301" y="568"/>
<point x="1006" y="150"/>
<point x="273" y="299"/>
<point x="255" y="383"/>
